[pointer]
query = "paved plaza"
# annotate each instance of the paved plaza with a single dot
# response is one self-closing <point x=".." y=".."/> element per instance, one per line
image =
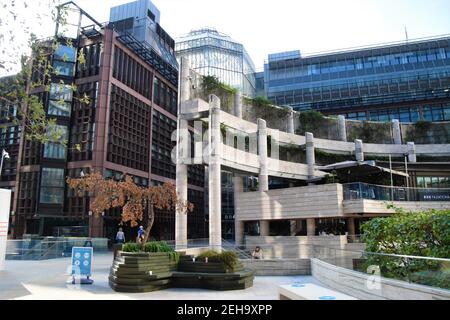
<point x="46" y="280"/>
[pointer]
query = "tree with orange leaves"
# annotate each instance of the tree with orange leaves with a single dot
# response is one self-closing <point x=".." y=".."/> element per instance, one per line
<point x="107" y="194"/>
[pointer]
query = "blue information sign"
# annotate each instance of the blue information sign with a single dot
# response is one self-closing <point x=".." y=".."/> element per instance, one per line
<point x="82" y="261"/>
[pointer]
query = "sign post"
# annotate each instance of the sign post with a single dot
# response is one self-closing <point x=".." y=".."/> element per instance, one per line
<point x="5" y="205"/>
<point x="82" y="264"/>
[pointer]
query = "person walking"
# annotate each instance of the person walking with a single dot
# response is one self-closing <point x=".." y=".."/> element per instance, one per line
<point x="120" y="236"/>
<point x="141" y="234"/>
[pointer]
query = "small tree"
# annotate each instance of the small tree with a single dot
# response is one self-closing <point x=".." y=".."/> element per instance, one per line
<point x="138" y="204"/>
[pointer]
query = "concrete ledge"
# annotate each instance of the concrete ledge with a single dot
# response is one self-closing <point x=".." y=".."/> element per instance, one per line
<point x="279" y="267"/>
<point x="367" y="287"/>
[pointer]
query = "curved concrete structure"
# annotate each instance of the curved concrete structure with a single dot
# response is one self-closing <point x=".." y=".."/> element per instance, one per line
<point x="248" y="148"/>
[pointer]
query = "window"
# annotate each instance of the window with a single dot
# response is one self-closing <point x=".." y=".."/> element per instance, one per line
<point x="52" y="186"/>
<point x="57" y="150"/>
<point x="65" y="53"/>
<point x="63" y="68"/>
<point x="60" y="100"/>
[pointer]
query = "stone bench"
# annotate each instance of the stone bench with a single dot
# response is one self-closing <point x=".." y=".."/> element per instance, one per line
<point x="309" y="291"/>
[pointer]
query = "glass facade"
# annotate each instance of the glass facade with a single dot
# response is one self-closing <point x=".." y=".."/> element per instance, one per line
<point x="57" y="150"/>
<point x="52" y="186"/>
<point x="397" y="75"/>
<point x="215" y="54"/>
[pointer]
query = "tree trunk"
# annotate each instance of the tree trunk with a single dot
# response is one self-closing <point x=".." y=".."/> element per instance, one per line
<point x="150" y="221"/>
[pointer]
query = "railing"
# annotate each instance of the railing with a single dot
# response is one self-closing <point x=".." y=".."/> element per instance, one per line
<point x="357" y="191"/>
<point x="427" y="271"/>
<point x="50" y="248"/>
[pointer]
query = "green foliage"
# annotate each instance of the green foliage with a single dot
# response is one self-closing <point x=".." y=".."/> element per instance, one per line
<point x="157" y="246"/>
<point x="228" y="258"/>
<point x="211" y="84"/>
<point x="423" y="126"/>
<point x="131" y="247"/>
<point x="371" y="132"/>
<point x="310" y="121"/>
<point x="332" y="177"/>
<point x="326" y="158"/>
<point x="424" y="234"/>
<point x="152" y="247"/>
<point x="260" y="102"/>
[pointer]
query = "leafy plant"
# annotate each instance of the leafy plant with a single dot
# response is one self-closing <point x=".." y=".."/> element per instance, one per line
<point x="131" y="247"/>
<point x="424" y="234"/>
<point x="228" y="258"/>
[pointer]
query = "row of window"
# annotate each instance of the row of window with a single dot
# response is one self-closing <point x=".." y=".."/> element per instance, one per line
<point x="301" y="67"/>
<point x="406" y="114"/>
<point x="165" y="97"/>
<point x="132" y="73"/>
<point x="433" y="182"/>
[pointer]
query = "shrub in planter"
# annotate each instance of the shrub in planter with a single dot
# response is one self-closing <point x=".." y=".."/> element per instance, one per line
<point x="228" y="258"/>
<point x="131" y="247"/>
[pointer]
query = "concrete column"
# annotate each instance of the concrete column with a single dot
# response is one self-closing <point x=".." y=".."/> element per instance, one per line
<point x="262" y="152"/>
<point x="412" y="152"/>
<point x="359" y="151"/>
<point x="182" y="153"/>
<point x="290" y="121"/>
<point x="294" y="227"/>
<point x="310" y="154"/>
<point x="264" y="228"/>
<point x="342" y="126"/>
<point x="238" y="104"/>
<point x="5" y="205"/>
<point x="351" y="226"/>
<point x="311" y="227"/>
<point x="214" y="178"/>
<point x="396" y="132"/>
<point x="238" y="185"/>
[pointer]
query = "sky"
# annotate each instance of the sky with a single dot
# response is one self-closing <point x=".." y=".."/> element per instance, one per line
<point x="311" y="26"/>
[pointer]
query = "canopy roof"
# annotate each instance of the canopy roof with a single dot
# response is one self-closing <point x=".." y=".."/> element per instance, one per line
<point x="365" y="168"/>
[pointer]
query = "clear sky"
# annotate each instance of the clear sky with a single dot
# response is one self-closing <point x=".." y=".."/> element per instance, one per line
<point x="269" y="26"/>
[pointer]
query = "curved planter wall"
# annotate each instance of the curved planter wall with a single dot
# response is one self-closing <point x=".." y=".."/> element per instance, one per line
<point x="361" y="286"/>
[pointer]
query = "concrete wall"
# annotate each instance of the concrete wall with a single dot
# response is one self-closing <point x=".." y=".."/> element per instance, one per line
<point x="292" y="203"/>
<point x="298" y="247"/>
<point x="363" y="286"/>
<point x="279" y="267"/>
<point x="379" y="207"/>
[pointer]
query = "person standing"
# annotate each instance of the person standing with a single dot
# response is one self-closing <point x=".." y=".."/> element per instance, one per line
<point x="120" y="236"/>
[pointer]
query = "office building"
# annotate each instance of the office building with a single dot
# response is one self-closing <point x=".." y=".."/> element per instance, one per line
<point x="408" y="81"/>
<point x="131" y="78"/>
